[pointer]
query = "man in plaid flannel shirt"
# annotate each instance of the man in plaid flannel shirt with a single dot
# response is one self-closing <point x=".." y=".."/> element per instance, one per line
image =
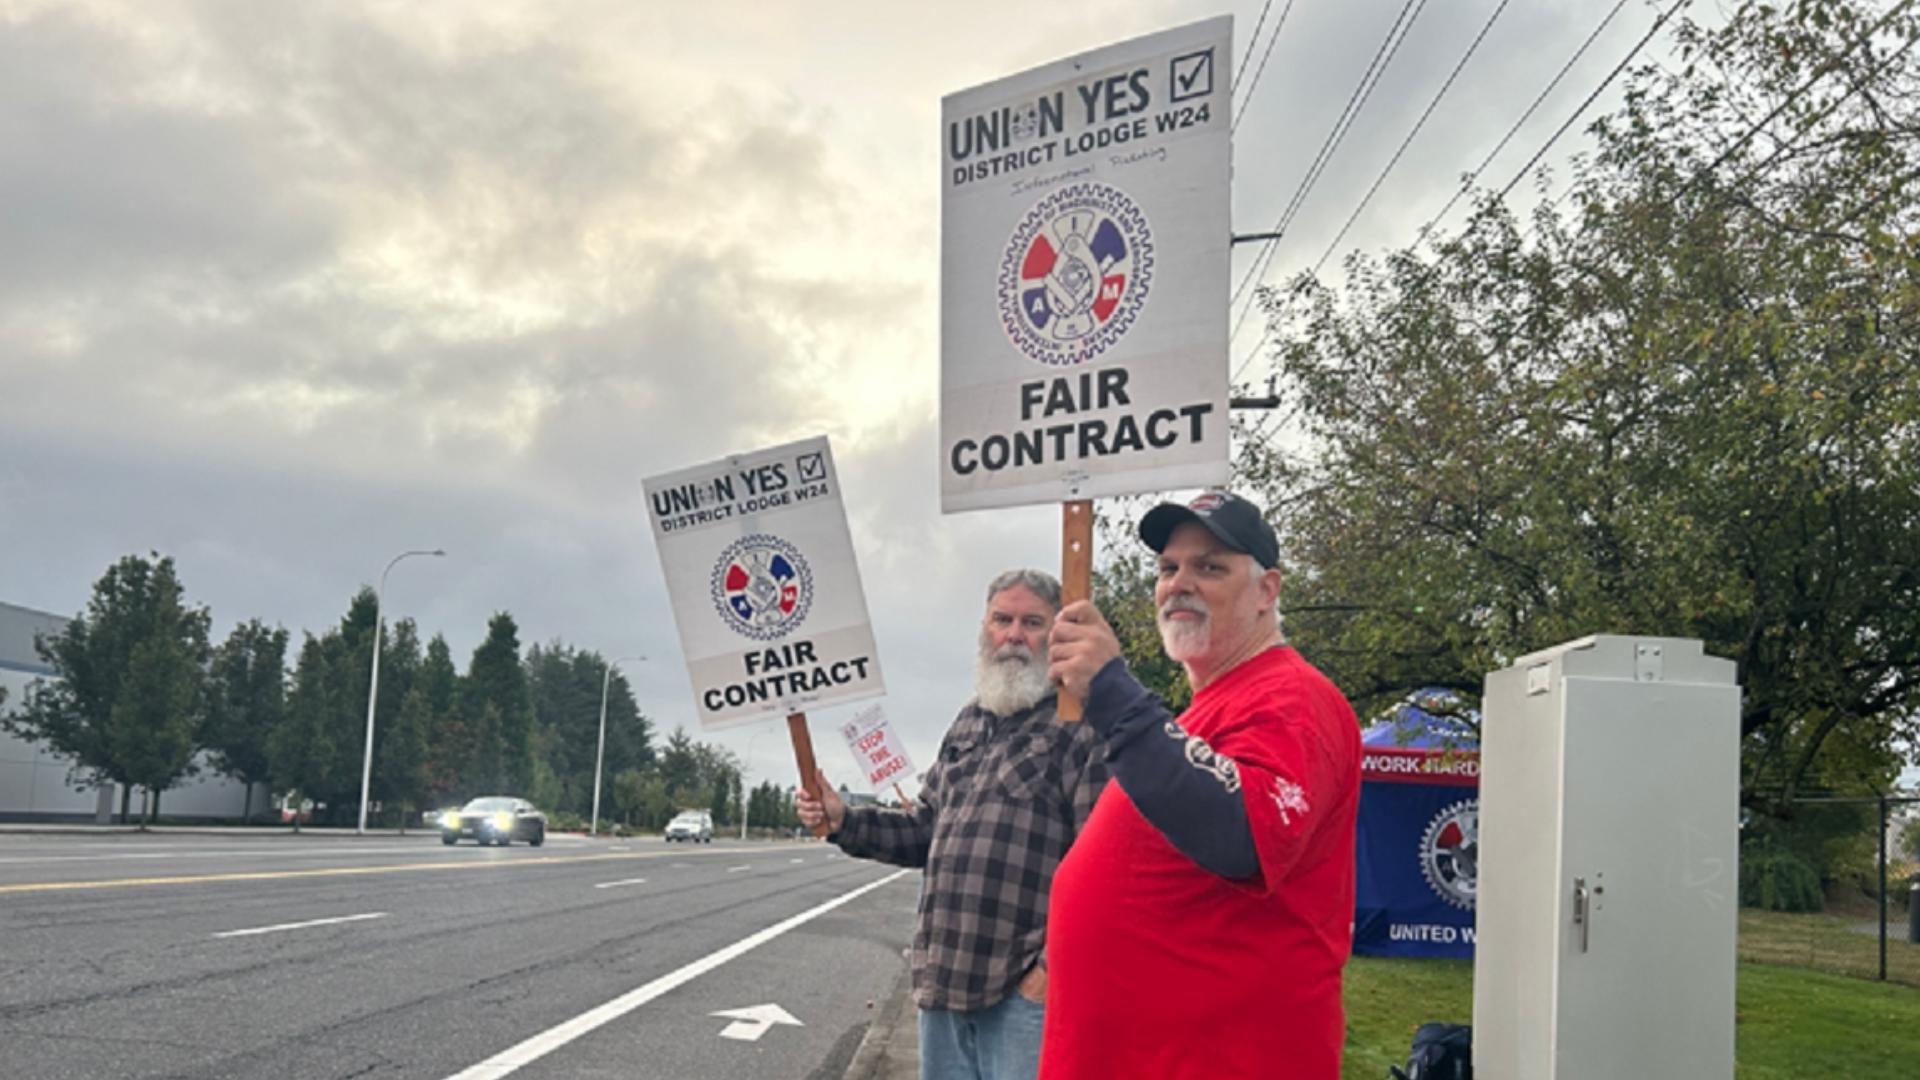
<point x="996" y="812"/>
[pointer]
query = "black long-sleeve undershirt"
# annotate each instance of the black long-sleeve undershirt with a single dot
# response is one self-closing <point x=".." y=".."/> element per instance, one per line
<point x="1177" y="782"/>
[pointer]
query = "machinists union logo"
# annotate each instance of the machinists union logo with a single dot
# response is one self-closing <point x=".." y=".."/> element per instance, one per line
<point x="1450" y="853"/>
<point x="762" y="587"/>
<point x="1075" y="274"/>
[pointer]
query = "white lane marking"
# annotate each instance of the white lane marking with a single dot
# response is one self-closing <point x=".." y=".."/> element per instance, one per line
<point x="620" y="847"/>
<point x="531" y="1050"/>
<point x="300" y="925"/>
<point x="217" y="853"/>
<point x="617" y="884"/>
<point x="737" y="869"/>
<point x="796" y="860"/>
<point x="679" y="865"/>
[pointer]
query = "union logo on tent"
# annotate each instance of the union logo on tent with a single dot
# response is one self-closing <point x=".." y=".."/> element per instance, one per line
<point x="1450" y="853"/>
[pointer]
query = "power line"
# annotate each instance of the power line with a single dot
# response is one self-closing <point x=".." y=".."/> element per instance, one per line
<point x="1332" y="140"/>
<point x="1397" y="35"/>
<point x="1247" y="98"/>
<point x="1756" y="127"/>
<point x="1538" y="100"/>
<point x="1597" y="91"/>
<point x="1241" y="68"/>
<point x="1264" y="260"/>
<point x="1408" y="141"/>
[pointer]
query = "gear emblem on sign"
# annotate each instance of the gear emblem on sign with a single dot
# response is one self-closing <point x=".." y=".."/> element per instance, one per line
<point x="1450" y="853"/>
<point x="1075" y="274"/>
<point x="762" y="587"/>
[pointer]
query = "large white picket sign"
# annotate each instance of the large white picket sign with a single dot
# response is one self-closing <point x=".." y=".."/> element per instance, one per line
<point x="1083" y="259"/>
<point x="765" y="590"/>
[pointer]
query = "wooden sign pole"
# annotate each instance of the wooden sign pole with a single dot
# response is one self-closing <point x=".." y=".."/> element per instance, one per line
<point x="1076" y="574"/>
<point x="803" y="757"/>
<point x="904" y="801"/>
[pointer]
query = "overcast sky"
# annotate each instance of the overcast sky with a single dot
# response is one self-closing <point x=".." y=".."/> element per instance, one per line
<point x="288" y="288"/>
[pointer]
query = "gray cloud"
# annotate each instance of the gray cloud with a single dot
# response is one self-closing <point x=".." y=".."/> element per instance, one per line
<point x="285" y="289"/>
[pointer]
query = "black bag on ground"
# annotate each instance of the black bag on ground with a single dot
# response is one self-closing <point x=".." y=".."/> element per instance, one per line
<point x="1440" y="1052"/>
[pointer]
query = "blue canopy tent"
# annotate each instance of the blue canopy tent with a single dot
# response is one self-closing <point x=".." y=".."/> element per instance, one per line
<point x="1418" y="833"/>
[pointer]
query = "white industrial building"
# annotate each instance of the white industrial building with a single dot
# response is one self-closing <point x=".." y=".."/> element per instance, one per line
<point x="37" y="784"/>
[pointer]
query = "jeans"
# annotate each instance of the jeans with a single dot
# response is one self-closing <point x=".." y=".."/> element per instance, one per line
<point x="998" y="1043"/>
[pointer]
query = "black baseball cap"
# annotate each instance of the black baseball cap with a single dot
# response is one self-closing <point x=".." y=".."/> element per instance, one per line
<point x="1235" y="521"/>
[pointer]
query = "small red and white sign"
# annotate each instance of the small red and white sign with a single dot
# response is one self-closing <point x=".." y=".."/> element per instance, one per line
<point x="876" y="748"/>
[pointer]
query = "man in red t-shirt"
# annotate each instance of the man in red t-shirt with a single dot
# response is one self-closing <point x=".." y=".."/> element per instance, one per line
<point x="1199" y="923"/>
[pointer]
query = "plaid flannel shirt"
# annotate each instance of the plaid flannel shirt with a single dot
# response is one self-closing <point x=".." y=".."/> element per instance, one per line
<point x="996" y="813"/>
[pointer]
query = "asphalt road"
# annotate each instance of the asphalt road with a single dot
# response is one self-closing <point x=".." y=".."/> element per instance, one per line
<point x="207" y="956"/>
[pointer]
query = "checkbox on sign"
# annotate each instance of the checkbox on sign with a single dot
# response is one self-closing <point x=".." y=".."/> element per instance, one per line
<point x="1192" y="75"/>
<point x="812" y="467"/>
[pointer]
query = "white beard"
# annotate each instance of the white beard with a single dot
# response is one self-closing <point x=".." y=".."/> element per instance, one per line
<point x="1010" y="684"/>
<point x="1184" y="639"/>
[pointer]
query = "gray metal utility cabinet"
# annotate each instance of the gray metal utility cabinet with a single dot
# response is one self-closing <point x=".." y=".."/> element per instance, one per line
<point x="1609" y="884"/>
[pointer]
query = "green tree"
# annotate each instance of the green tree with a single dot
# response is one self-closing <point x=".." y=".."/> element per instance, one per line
<point x="400" y="764"/>
<point x="496" y="681"/>
<point x="680" y="770"/>
<point x="718" y="772"/>
<point x="246" y="704"/>
<point x="1687" y="406"/>
<point x="129" y="695"/>
<point x="300" y="752"/>
<point x="1910" y="838"/>
<point x="446" y="736"/>
<point x="564" y="684"/>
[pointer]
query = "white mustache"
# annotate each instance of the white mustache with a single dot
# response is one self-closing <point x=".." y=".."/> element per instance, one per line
<point x="1014" y="651"/>
<point x="1183" y="603"/>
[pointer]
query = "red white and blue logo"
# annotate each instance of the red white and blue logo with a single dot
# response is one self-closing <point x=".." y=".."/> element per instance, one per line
<point x="1450" y="853"/>
<point x="762" y="586"/>
<point x="1075" y="274"/>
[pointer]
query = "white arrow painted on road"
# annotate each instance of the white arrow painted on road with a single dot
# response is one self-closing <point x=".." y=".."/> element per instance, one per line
<point x="749" y="1024"/>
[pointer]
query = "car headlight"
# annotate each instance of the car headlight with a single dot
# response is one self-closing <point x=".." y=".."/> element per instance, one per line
<point x="503" y="821"/>
<point x="451" y="821"/>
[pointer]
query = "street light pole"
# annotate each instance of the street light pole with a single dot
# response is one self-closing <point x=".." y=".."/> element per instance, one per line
<point x="600" y="755"/>
<point x="373" y="684"/>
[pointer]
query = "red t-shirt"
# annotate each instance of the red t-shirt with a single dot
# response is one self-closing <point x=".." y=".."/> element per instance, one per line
<point x="1157" y="968"/>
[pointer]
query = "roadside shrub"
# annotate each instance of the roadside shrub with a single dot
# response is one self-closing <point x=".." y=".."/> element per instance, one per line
<point x="1775" y="879"/>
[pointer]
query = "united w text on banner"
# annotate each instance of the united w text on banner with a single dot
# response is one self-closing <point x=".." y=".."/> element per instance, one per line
<point x="1418" y="839"/>
<point x="1083" y="258"/>
<point x="765" y="590"/>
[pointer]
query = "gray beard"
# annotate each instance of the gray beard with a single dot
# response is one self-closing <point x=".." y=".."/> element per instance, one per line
<point x="1006" y="687"/>
<point x="1186" y="641"/>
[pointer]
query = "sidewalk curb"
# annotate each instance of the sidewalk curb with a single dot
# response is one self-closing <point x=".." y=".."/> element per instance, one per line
<point x="890" y="1050"/>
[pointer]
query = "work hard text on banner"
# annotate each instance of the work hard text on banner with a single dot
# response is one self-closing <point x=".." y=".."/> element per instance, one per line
<point x="765" y="589"/>
<point x="877" y="748"/>
<point x="1084" y="275"/>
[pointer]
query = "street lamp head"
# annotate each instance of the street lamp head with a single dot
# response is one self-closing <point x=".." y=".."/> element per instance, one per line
<point x="438" y="551"/>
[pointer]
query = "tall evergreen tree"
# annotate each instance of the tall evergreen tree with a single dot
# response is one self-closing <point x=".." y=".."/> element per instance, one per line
<point x="496" y="681"/>
<point x="300" y="752"/>
<point x="400" y="764"/>
<point x="247" y="702"/>
<point x="447" y="740"/>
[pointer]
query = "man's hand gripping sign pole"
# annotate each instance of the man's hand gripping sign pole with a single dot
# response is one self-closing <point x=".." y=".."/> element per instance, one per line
<point x="1083" y="323"/>
<point x="765" y="590"/>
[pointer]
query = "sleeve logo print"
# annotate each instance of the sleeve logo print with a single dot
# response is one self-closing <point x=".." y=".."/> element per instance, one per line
<point x="1291" y="799"/>
<point x="1201" y="756"/>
